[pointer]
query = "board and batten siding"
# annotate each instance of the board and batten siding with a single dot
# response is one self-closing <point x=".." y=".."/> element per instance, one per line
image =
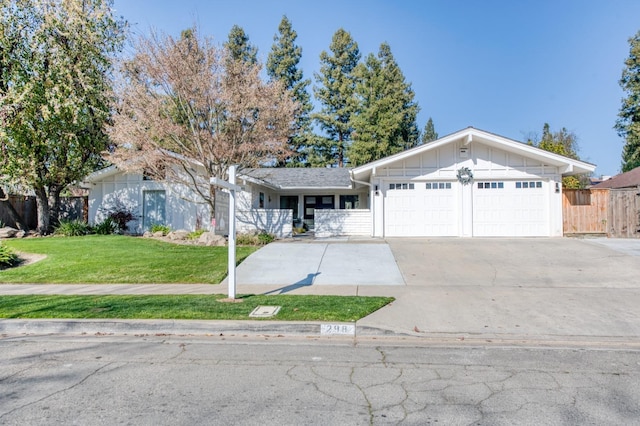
<point x="332" y="223"/>
<point x="487" y="163"/>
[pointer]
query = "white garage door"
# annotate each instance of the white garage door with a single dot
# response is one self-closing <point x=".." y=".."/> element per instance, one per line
<point x="510" y="209"/>
<point x="420" y="209"/>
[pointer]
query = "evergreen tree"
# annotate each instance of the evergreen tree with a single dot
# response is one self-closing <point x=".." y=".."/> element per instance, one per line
<point x="282" y="65"/>
<point x="628" y="123"/>
<point x="239" y="47"/>
<point x="336" y="95"/>
<point x="429" y="134"/>
<point x="386" y="121"/>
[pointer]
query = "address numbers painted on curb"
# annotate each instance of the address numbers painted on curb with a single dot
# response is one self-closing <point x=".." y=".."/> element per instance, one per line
<point x="349" y="329"/>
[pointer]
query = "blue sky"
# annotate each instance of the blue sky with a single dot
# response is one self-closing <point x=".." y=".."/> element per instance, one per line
<point x="506" y="67"/>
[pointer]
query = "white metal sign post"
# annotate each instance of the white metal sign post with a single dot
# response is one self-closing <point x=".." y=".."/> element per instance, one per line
<point x="232" y="187"/>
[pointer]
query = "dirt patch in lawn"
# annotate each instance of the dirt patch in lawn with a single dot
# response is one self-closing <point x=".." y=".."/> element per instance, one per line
<point x="25" y="259"/>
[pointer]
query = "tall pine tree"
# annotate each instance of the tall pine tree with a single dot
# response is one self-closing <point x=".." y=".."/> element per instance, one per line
<point x="335" y="93"/>
<point x="386" y="122"/>
<point x="429" y="133"/>
<point x="282" y="65"/>
<point x="628" y="123"/>
<point x="239" y="46"/>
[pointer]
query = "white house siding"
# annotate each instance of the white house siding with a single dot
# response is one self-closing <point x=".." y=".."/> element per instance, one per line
<point x="329" y="223"/>
<point x="127" y="190"/>
<point x="467" y="216"/>
<point x="274" y="221"/>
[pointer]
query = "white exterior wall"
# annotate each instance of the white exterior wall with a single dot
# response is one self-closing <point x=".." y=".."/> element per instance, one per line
<point x="486" y="163"/>
<point x="274" y="221"/>
<point x="127" y="190"/>
<point x="330" y="223"/>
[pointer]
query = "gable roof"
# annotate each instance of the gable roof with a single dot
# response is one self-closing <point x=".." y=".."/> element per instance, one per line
<point x="630" y="179"/>
<point x="299" y="178"/>
<point x="568" y="166"/>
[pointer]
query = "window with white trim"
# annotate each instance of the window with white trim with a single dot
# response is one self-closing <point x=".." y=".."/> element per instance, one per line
<point x="438" y="185"/>
<point x="490" y="185"/>
<point x="401" y="186"/>
<point x="529" y="184"/>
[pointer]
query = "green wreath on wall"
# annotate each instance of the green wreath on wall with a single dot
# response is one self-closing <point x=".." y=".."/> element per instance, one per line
<point x="464" y="175"/>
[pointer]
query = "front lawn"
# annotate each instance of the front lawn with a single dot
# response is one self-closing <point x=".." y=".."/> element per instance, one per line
<point x="193" y="307"/>
<point x="106" y="259"/>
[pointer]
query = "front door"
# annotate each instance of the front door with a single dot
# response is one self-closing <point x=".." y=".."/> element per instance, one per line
<point x="312" y="202"/>
<point x="154" y="209"/>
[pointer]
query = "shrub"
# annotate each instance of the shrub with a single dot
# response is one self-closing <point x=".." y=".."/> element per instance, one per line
<point x="195" y="234"/>
<point x="253" y="239"/>
<point x="160" y="228"/>
<point x="106" y="227"/>
<point x="121" y="215"/>
<point x="265" y="238"/>
<point x="72" y="228"/>
<point x="7" y="257"/>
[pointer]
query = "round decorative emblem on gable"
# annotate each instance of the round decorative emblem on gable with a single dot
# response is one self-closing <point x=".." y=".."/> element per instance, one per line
<point x="464" y="175"/>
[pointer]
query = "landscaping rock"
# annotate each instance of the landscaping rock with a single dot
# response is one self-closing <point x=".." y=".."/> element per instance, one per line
<point x="8" y="232"/>
<point x="178" y="235"/>
<point x="20" y="234"/>
<point x="211" y="239"/>
<point x="158" y="234"/>
<point x="147" y="234"/>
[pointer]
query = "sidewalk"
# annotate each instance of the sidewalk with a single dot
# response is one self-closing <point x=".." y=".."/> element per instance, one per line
<point x="417" y="316"/>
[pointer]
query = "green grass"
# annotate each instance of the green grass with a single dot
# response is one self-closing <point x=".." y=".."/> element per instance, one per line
<point x="195" y="307"/>
<point x="103" y="259"/>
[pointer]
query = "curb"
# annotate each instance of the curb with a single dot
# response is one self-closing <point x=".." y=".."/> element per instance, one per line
<point x="182" y="327"/>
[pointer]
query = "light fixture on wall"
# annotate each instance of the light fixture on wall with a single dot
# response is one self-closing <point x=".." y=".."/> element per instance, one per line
<point x="376" y="189"/>
<point x="557" y="187"/>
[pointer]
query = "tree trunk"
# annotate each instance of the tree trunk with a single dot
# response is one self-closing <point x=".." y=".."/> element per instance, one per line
<point x="44" y="213"/>
<point x="11" y="212"/>
<point x="54" y="205"/>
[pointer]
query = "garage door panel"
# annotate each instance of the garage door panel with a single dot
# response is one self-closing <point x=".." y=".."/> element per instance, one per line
<point x="511" y="211"/>
<point x="419" y="211"/>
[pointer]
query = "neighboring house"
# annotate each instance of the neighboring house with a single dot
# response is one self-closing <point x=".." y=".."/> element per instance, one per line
<point x="467" y="184"/>
<point x="630" y="179"/>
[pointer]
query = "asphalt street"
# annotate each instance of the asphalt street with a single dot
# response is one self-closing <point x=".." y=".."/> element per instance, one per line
<point x="169" y="380"/>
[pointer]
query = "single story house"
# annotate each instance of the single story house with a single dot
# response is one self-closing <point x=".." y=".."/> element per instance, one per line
<point x="630" y="179"/>
<point x="471" y="183"/>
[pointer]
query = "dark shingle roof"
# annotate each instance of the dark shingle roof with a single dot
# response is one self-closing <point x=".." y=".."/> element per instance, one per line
<point x="630" y="179"/>
<point x="307" y="177"/>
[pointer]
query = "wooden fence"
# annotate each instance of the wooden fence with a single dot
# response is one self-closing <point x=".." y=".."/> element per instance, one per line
<point x="624" y="213"/>
<point x="611" y="212"/>
<point x="71" y="208"/>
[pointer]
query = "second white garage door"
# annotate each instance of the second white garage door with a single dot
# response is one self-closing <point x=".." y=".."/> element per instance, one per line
<point x="510" y="209"/>
<point x="420" y="209"/>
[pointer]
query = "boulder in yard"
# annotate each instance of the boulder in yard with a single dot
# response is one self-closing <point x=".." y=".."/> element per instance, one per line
<point x="211" y="239"/>
<point x="178" y="235"/>
<point x="8" y="232"/>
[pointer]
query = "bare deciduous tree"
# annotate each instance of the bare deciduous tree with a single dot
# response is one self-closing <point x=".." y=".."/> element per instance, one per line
<point x="186" y="112"/>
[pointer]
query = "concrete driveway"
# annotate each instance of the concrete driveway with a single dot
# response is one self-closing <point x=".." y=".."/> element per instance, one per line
<point x="492" y="289"/>
<point x="536" y="288"/>
<point x="294" y="265"/>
